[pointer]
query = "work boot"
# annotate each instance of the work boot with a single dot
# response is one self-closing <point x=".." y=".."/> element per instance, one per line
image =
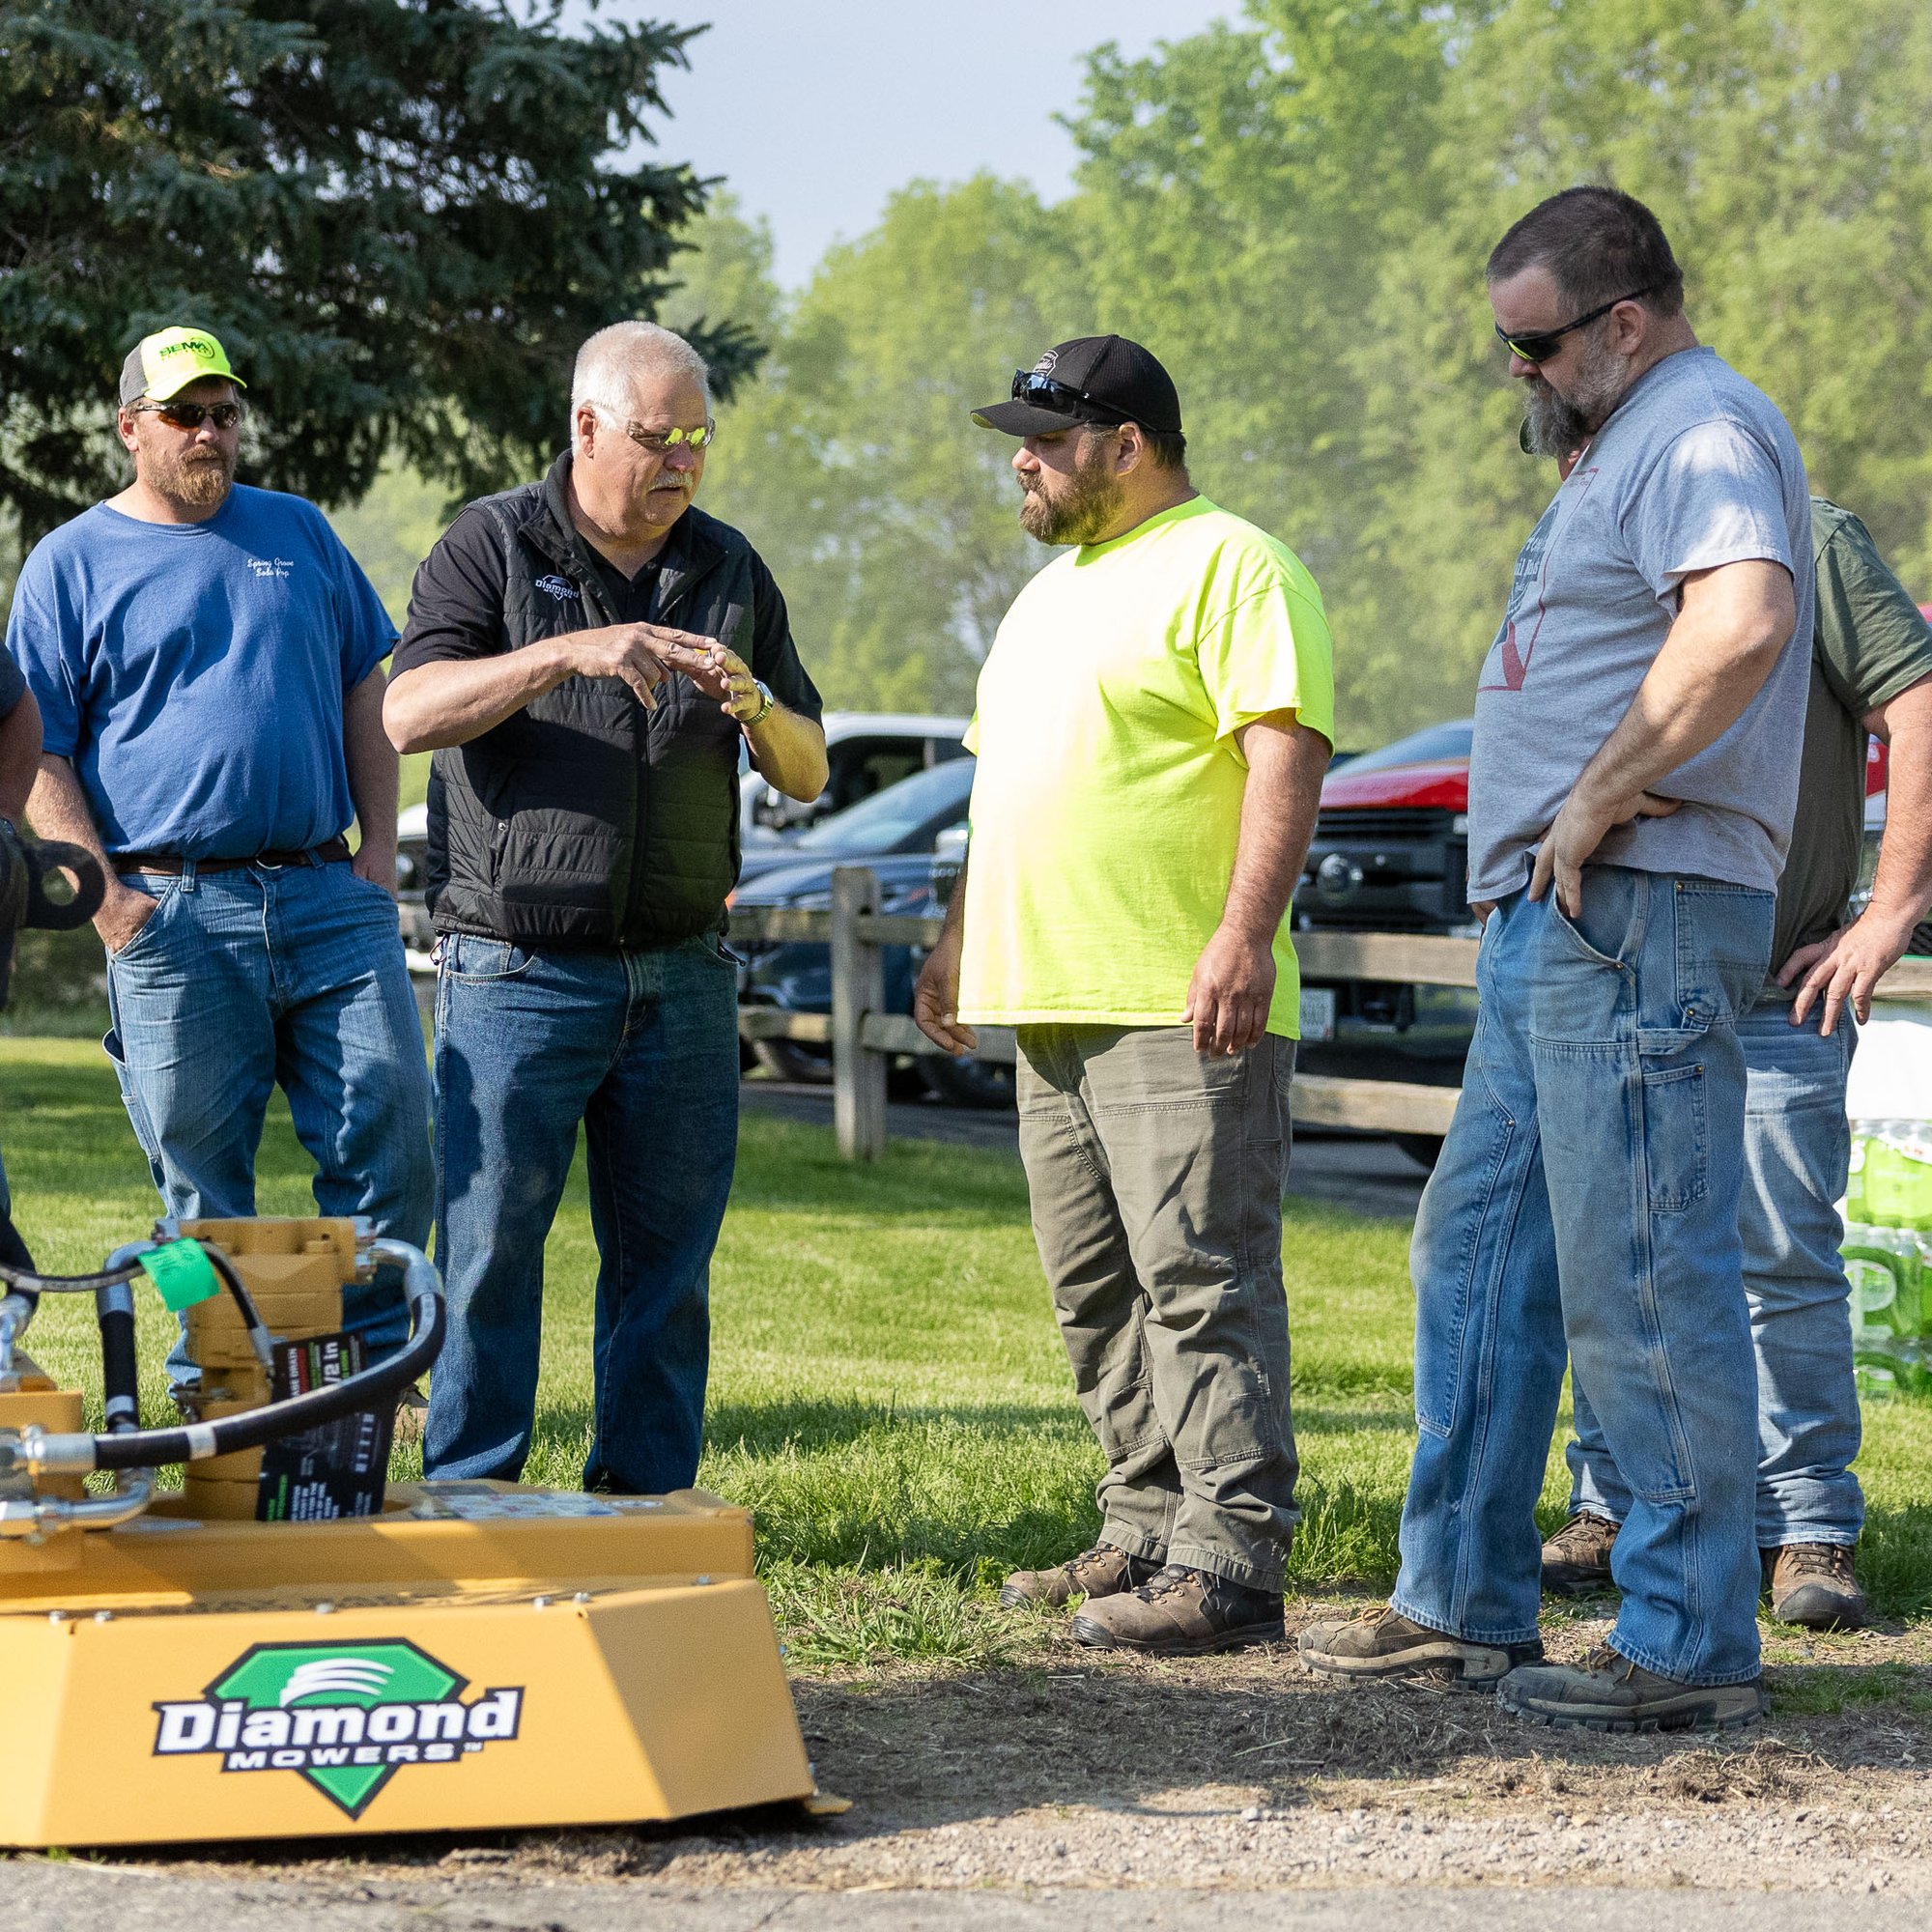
<point x="1814" y="1584"/>
<point x="1577" y="1559"/>
<point x="1100" y="1572"/>
<point x="1608" y="1693"/>
<point x="1385" y="1646"/>
<point x="1182" y="1613"/>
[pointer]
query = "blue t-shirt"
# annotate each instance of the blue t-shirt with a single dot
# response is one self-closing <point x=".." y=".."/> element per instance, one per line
<point x="194" y="673"/>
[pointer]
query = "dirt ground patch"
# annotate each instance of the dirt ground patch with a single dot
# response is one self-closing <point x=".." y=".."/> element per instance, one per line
<point x="1072" y="1770"/>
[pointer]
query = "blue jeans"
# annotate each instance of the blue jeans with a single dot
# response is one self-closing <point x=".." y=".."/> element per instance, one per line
<point x="1797" y="1154"/>
<point x="1589" y="1188"/>
<point x="642" y="1048"/>
<point x="265" y="974"/>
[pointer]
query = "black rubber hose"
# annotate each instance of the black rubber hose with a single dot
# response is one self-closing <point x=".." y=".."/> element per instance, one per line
<point x="243" y="1303"/>
<point x="146" y="1448"/>
<point x="119" y="1366"/>
<point x="24" y="1281"/>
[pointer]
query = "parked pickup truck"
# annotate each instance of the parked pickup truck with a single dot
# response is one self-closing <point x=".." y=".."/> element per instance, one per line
<point x="1390" y="854"/>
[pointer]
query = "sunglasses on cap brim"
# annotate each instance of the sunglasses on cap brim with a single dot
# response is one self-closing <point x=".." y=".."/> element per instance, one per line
<point x="1044" y="393"/>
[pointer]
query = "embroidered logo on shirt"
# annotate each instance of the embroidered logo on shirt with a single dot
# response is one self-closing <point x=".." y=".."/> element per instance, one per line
<point x="559" y="588"/>
<point x="272" y="566"/>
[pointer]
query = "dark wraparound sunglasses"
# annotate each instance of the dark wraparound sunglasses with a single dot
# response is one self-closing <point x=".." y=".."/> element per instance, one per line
<point x="1044" y="393"/>
<point x="1541" y="347"/>
<point x="192" y="415"/>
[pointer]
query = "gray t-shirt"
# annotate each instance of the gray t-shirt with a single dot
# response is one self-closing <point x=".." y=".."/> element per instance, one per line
<point x="1696" y="469"/>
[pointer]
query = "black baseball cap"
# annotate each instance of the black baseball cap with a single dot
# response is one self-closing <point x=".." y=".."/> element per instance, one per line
<point x="1100" y="379"/>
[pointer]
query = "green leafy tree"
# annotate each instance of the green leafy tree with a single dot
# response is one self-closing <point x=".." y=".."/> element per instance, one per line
<point x="888" y="517"/>
<point x="1785" y="146"/>
<point x="1239" y="194"/>
<point x="401" y="218"/>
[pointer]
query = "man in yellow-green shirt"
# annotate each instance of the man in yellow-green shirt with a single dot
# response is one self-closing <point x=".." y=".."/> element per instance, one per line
<point x="1153" y="722"/>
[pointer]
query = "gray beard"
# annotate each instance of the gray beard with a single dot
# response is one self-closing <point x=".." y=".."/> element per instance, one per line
<point x="1551" y="427"/>
<point x="1554" y="426"/>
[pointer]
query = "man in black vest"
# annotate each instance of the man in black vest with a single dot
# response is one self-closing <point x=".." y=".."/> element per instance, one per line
<point x="585" y="656"/>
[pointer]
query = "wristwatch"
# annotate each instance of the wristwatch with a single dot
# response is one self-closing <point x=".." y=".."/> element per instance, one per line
<point x="764" y="711"/>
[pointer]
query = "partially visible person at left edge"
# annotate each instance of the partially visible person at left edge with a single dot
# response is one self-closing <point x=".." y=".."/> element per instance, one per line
<point x="19" y="761"/>
<point x="208" y="661"/>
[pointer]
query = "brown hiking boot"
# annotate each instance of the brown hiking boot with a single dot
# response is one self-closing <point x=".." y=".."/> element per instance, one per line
<point x="1814" y="1584"/>
<point x="1387" y="1646"/>
<point x="1182" y="1613"/>
<point x="1100" y="1572"/>
<point x="1577" y="1559"/>
<point x="1608" y="1693"/>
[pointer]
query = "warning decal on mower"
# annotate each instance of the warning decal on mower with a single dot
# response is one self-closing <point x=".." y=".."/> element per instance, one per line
<point x="344" y="1716"/>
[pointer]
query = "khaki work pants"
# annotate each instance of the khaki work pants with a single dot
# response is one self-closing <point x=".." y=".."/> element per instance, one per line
<point x="1156" y="1174"/>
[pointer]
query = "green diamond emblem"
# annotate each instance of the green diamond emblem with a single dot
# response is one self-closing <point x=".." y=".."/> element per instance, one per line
<point x="320" y="1677"/>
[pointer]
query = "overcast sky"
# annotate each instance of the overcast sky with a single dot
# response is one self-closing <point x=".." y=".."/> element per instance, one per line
<point x="813" y="113"/>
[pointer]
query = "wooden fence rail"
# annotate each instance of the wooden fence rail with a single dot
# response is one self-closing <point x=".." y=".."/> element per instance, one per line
<point x="865" y="1037"/>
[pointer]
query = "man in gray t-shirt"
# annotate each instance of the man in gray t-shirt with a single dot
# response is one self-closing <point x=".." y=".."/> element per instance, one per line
<point x="1696" y="469"/>
<point x="1631" y="787"/>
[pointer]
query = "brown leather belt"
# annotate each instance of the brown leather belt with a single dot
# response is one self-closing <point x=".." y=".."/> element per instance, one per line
<point x="173" y="865"/>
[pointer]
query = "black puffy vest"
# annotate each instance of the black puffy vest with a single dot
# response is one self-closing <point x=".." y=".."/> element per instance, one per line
<point x="584" y="819"/>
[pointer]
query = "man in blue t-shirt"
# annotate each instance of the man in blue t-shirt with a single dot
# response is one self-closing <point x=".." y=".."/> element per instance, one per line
<point x="208" y="663"/>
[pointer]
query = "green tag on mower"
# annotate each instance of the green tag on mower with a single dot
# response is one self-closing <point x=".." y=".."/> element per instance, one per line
<point x="182" y="1273"/>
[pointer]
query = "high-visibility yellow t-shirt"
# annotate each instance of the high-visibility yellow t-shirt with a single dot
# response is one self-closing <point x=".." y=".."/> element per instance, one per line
<point x="1107" y="802"/>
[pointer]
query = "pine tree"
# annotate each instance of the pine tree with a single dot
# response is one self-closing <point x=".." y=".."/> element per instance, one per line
<point x="401" y="216"/>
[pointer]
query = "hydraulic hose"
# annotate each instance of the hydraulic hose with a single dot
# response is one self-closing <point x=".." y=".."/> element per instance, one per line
<point x="119" y="1366"/>
<point x="123" y="1266"/>
<point x="144" y="1448"/>
<point x="24" y="1281"/>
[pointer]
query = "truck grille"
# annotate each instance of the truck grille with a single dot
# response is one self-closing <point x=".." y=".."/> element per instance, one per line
<point x="1393" y="868"/>
<point x="1374" y="824"/>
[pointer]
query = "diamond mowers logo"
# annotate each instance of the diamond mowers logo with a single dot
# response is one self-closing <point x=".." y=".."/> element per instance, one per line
<point x="346" y="1715"/>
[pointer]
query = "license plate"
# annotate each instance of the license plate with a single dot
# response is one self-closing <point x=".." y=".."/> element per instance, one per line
<point x="1318" y="1012"/>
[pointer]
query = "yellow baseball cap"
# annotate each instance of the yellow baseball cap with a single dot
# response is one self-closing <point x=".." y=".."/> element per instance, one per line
<point x="163" y="364"/>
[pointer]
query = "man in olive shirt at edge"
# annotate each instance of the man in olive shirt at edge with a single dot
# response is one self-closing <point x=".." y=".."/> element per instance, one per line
<point x="1152" y="724"/>
<point x="1871" y="672"/>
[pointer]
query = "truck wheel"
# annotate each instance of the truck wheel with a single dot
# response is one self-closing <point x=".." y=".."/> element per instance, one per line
<point x="1424" y="1149"/>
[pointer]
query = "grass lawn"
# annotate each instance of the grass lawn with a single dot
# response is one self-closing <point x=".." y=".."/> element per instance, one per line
<point x="888" y="1390"/>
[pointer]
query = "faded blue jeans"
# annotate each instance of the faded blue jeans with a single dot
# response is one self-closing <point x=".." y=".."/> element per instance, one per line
<point x="643" y="1049"/>
<point x="1589" y="1188"/>
<point x="266" y="975"/>
<point x="1798" y="1147"/>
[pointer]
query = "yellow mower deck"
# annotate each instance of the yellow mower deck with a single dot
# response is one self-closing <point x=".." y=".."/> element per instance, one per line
<point x="481" y="1656"/>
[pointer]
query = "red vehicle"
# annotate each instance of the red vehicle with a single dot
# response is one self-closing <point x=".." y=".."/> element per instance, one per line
<point x="1390" y="854"/>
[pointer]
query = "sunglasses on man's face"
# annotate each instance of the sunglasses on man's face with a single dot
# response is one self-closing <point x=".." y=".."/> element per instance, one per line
<point x="192" y="415"/>
<point x="1549" y="342"/>
<point x="660" y="442"/>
